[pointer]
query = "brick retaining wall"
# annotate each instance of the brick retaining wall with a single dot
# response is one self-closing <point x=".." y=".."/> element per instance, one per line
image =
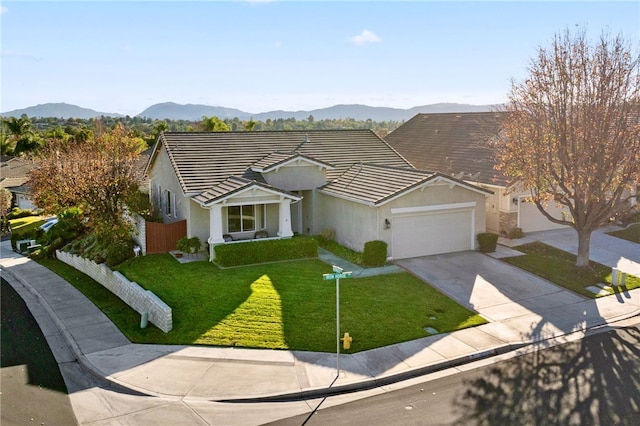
<point x="131" y="293"/>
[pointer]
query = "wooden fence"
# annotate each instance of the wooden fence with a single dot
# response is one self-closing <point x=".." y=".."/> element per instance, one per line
<point x="162" y="238"/>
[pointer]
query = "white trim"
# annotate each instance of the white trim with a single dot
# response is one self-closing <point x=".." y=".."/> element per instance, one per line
<point x="401" y="210"/>
<point x="224" y="199"/>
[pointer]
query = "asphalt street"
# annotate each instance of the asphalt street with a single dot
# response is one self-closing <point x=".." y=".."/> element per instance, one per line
<point x="32" y="388"/>
<point x="593" y="381"/>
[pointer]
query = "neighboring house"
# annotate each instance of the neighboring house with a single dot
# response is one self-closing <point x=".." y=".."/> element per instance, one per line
<point x="14" y="177"/>
<point x="457" y="144"/>
<point x="228" y="186"/>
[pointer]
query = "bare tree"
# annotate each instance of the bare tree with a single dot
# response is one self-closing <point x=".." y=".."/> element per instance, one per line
<point x="572" y="131"/>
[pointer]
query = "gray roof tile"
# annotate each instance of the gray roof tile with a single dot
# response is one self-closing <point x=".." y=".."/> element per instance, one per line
<point x="233" y="185"/>
<point x="451" y="144"/>
<point x="204" y="160"/>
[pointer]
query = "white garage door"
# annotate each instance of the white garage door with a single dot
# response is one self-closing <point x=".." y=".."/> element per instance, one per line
<point x="432" y="230"/>
<point x="531" y="220"/>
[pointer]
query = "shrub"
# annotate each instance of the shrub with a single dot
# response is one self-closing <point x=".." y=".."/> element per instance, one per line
<point x="514" y="233"/>
<point x="189" y="245"/>
<point x="17" y="213"/>
<point x="487" y="242"/>
<point x="258" y="251"/>
<point x="375" y="253"/>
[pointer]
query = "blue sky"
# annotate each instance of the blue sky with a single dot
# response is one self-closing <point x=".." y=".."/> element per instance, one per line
<point x="123" y="56"/>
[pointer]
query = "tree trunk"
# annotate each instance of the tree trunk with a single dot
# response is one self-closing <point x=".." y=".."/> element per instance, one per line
<point x="584" y="241"/>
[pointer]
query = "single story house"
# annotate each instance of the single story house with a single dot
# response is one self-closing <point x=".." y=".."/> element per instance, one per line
<point x="14" y="177"/>
<point x="457" y="144"/>
<point x="236" y="186"/>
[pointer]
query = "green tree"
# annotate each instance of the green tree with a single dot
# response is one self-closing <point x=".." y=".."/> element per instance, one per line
<point x="214" y="124"/>
<point x="572" y="131"/>
<point x="21" y="137"/>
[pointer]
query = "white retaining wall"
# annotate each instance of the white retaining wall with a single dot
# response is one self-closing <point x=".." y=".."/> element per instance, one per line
<point x="130" y="292"/>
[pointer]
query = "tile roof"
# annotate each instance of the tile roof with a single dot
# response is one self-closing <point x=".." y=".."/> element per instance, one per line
<point x="15" y="167"/>
<point x="451" y="143"/>
<point x="13" y="182"/>
<point x="233" y="185"/>
<point x="375" y="185"/>
<point x="203" y="160"/>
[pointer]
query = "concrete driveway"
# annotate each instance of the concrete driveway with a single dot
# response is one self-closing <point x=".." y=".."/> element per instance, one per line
<point x="494" y="289"/>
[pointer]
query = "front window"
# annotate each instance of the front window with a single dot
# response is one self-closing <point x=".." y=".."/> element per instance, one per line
<point x="245" y="218"/>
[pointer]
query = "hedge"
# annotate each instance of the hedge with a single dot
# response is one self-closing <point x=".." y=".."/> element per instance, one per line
<point x="375" y="253"/>
<point x="257" y="251"/>
<point x="487" y="242"/>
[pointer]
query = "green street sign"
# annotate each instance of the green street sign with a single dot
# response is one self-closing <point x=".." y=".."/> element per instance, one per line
<point x="336" y="275"/>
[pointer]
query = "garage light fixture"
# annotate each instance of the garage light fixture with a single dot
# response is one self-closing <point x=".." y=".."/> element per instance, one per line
<point x="515" y="200"/>
<point x="387" y="223"/>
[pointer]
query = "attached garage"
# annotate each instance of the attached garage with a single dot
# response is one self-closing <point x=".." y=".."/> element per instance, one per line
<point x="531" y="220"/>
<point x="428" y="230"/>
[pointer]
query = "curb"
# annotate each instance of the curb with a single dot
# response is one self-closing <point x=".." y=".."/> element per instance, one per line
<point x="302" y="394"/>
<point x="69" y="341"/>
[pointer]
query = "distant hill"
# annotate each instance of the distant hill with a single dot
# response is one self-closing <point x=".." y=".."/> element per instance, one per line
<point x="170" y="110"/>
<point x="193" y="112"/>
<point x="190" y="112"/>
<point x="59" y="110"/>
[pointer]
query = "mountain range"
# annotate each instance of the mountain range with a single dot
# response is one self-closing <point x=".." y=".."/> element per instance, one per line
<point x="192" y="112"/>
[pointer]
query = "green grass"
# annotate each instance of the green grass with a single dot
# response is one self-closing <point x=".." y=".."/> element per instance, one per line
<point x="352" y="256"/>
<point x="25" y="224"/>
<point x="341" y="251"/>
<point x="631" y="233"/>
<point x="285" y="305"/>
<point x="559" y="267"/>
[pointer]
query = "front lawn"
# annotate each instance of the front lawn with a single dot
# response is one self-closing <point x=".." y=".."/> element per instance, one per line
<point x="559" y="267"/>
<point x="284" y="305"/>
<point x="25" y="224"/>
<point x="631" y="233"/>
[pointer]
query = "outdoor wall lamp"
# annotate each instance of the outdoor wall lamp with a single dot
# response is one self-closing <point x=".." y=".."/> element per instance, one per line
<point x="387" y="224"/>
<point x="515" y="200"/>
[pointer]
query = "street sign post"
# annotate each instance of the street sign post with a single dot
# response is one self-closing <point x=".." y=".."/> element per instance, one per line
<point x="337" y="274"/>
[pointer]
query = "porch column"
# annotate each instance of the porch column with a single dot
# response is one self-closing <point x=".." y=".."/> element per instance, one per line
<point x="215" y="229"/>
<point x="284" y="228"/>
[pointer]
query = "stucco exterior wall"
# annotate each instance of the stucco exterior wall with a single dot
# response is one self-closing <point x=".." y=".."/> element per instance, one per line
<point x="162" y="175"/>
<point x="297" y="177"/>
<point x="198" y="223"/>
<point x="353" y="223"/>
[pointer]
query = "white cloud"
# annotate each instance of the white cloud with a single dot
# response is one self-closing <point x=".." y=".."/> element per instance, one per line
<point x="364" y="37"/>
<point x="3" y="10"/>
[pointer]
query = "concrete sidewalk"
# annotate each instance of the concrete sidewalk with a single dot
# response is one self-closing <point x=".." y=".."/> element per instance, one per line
<point x="79" y="331"/>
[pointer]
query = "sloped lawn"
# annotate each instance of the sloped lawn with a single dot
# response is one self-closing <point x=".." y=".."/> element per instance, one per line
<point x="26" y="224"/>
<point x="559" y="267"/>
<point x="284" y="305"/>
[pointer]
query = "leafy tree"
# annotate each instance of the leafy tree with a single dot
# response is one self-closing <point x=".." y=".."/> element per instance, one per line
<point x="21" y="137"/>
<point x="250" y="125"/>
<point x="572" y="131"/>
<point x="98" y="176"/>
<point x="214" y="124"/>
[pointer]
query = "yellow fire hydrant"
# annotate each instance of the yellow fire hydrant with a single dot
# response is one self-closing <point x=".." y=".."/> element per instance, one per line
<point x="346" y="341"/>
